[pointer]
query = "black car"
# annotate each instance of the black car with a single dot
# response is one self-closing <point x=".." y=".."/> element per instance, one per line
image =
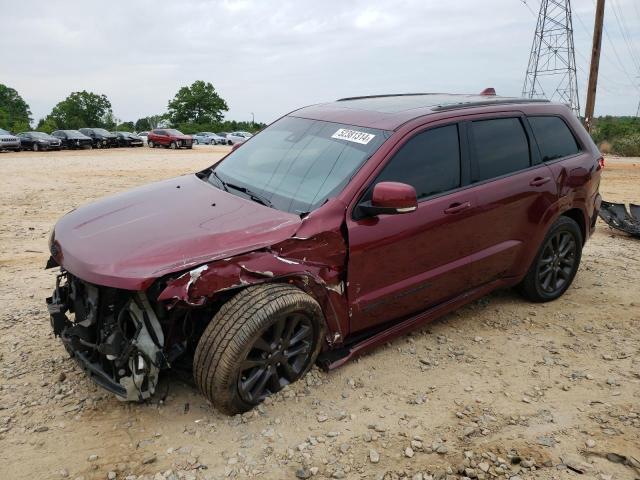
<point x="73" y="139"/>
<point x="128" y="139"/>
<point x="39" y="141"/>
<point x="101" y="138"/>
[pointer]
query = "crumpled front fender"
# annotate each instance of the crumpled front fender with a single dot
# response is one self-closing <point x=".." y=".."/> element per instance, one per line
<point x="323" y="281"/>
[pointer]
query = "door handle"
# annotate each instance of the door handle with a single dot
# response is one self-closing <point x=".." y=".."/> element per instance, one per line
<point x="539" y="181"/>
<point x="457" y="207"/>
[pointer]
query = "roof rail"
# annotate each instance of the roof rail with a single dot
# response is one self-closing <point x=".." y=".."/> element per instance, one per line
<point x="384" y="95"/>
<point x="484" y="103"/>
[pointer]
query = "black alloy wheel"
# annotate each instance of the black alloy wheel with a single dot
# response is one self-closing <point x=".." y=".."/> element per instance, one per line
<point x="556" y="264"/>
<point x="276" y="358"/>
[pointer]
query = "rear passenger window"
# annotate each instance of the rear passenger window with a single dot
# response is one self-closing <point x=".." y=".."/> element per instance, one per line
<point x="554" y="137"/>
<point x="501" y="147"/>
<point x="430" y="162"/>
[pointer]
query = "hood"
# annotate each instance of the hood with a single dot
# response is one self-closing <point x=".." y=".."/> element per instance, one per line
<point x="130" y="239"/>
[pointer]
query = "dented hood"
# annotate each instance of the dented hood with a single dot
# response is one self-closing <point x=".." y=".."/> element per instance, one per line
<point x="130" y="239"/>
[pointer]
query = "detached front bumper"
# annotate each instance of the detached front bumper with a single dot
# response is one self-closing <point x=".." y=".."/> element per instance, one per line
<point x="114" y="335"/>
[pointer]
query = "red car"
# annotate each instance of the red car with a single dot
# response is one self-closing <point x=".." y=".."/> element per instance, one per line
<point x="333" y="230"/>
<point x="169" y="137"/>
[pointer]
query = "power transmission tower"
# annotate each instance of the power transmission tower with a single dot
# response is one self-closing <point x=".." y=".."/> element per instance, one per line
<point x="551" y="72"/>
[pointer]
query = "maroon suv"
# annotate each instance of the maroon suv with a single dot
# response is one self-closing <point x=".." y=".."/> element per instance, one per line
<point x="336" y="228"/>
<point x="169" y="138"/>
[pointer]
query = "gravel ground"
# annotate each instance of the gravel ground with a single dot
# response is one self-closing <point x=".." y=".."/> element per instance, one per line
<point x="499" y="389"/>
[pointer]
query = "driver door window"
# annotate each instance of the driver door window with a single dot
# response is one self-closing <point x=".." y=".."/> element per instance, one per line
<point x="429" y="162"/>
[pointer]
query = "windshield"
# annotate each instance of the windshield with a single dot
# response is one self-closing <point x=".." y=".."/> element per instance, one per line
<point x="101" y="131"/>
<point x="173" y="131"/>
<point x="77" y="133"/>
<point x="4" y="132"/>
<point x="39" y="135"/>
<point x="297" y="164"/>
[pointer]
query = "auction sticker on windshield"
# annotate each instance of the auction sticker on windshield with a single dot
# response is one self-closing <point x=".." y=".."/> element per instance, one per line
<point x="353" y="136"/>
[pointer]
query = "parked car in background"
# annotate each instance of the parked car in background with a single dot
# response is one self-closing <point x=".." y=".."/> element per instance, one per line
<point x="8" y="141"/>
<point x="237" y="137"/>
<point x="101" y="138"/>
<point x="73" y="139"/>
<point x="208" y="138"/>
<point x="339" y="227"/>
<point x="169" y="138"/>
<point x="144" y="136"/>
<point x="128" y="139"/>
<point x="39" y="141"/>
<point x="223" y="135"/>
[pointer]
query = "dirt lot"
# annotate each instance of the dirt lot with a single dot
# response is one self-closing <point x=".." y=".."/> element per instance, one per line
<point x="502" y="386"/>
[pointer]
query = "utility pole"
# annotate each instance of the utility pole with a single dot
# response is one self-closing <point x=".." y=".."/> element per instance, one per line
<point x="595" y="63"/>
<point x="552" y="62"/>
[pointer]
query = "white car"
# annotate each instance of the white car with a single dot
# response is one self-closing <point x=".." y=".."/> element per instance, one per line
<point x="238" y="137"/>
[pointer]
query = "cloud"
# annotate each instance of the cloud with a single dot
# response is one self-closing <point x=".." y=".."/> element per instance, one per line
<point x="272" y="57"/>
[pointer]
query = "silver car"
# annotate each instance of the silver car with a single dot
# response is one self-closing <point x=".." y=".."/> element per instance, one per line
<point x="207" y="138"/>
<point x="238" y="137"/>
<point x="9" y="141"/>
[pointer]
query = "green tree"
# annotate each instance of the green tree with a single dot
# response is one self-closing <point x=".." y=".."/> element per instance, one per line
<point x="81" y="109"/>
<point x="198" y="103"/>
<point x="126" y="127"/>
<point x="149" y="123"/>
<point x="15" y="115"/>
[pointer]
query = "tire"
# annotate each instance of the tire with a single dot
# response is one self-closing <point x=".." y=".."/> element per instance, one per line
<point x="195" y="142"/>
<point x="173" y="146"/>
<point x="556" y="263"/>
<point x="150" y="143"/>
<point x="35" y="147"/>
<point x="254" y="329"/>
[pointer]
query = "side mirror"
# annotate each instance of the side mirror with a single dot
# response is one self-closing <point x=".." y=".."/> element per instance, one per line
<point x="390" y="198"/>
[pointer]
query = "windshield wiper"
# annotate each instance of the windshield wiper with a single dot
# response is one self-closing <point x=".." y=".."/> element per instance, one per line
<point x="222" y="182"/>
<point x="252" y="195"/>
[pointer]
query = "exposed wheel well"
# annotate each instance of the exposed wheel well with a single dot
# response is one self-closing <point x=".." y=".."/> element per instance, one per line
<point x="577" y="215"/>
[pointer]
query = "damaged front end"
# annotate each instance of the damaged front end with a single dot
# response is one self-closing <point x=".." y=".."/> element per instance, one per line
<point x="114" y="334"/>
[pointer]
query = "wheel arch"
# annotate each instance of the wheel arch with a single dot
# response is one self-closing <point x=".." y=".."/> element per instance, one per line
<point x="211" y="285"/>
<point x="576" y="214"/>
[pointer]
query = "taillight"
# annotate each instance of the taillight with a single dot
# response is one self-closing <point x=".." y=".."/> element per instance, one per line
<point x="600" y="163"/>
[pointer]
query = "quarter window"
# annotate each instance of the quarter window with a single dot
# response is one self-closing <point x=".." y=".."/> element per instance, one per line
<point x="430" y="162"/>
<point x="554" y="138"/>
<point x="501" y="147"/>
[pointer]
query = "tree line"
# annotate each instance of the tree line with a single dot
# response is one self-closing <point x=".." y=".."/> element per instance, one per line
<point x="199" y="108"/>
<point x="194" y="108"/>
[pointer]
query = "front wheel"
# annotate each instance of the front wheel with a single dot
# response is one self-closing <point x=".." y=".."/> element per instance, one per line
<point x="150" y="143"/>
<point x="35" y="147"/>
<point x="262" y="339"/>
<point x="173" y="146"/>
<point x="556" y="264"/>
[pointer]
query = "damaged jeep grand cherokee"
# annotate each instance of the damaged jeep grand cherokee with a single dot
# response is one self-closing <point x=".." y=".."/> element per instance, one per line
<point x="335" y="229"/>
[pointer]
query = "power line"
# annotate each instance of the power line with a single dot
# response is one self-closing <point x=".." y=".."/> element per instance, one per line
<point x="625" y="34"/>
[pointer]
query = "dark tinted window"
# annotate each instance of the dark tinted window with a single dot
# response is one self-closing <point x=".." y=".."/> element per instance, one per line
<point x="430" y="162"/>
<point x="554" y="137"/>
<point x="501" y="147"/>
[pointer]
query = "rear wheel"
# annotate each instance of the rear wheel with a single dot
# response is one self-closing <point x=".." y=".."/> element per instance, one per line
<point x="150" y="143"/>
<point x="264" y="338"/>
<point x="35" y="147"/>
<point x="556" y="263"/>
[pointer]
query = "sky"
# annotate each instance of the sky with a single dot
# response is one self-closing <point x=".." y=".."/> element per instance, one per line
<point x="270" y="57"/>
